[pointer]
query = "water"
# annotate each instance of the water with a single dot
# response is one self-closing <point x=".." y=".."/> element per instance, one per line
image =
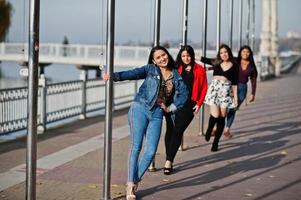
<point x="54" y="73"/>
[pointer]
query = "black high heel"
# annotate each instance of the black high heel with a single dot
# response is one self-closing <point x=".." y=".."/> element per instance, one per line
<point x="168" y="170"/>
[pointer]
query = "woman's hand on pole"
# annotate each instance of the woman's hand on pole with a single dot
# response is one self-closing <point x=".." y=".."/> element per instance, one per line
<point x="105" y="77"/>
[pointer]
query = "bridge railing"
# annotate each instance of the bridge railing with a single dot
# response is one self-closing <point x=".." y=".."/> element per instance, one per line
<point x="82" y="54"/>
<point x="60" y="101"/>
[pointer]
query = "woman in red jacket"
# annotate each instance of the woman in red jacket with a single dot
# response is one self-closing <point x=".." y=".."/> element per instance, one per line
<point x="195" y="79"/>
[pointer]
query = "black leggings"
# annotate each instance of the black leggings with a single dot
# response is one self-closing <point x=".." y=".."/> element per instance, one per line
<point x="174" y="132"/>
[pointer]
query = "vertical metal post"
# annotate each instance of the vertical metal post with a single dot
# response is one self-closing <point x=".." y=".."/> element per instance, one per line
<point x="33" y="66"/>
<point x="204" y="49"/>
<point x="83" y="77"/>
<point x="184" y="42"/>
<point x="157" y="20"/>
<point x="248" y="22"/>
<point x="185" y="22"/>
<point x="240" y="24"/>
<point x="43" y="99"/>
<point x="109" y="99"/>
<point x="231" y="25"/>
<point x="218" y="23"/>
<point x="253" y="26"/>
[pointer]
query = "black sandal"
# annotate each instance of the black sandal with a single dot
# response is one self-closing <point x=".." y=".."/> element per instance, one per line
<point x="168" y="170"/>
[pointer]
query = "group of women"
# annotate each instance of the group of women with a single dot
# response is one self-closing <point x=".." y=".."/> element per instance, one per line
<point x="176" y="90"/>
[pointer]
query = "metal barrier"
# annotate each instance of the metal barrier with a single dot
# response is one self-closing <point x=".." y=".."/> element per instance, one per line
<point x="13" y="109"/>
<point x="60" y="101"/>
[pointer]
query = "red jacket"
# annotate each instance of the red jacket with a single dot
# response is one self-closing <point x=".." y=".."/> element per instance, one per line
<point x="200" y="85"/>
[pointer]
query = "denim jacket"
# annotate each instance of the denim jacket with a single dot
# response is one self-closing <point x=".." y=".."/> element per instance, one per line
<point x="149" y="90"/>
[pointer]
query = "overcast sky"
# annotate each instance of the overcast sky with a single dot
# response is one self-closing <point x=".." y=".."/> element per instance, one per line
<point x="84" y="21"/>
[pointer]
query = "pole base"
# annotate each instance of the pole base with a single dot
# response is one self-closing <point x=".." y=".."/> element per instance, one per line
<point x="82" y="116"/>
<point x="41" y="129"/>
<point x="201" y="134"/>
<point x="152" y="169"/>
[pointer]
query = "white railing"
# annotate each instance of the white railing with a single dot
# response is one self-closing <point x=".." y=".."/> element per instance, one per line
<point x="78" y="54"/>
<point x="60" y="101"/>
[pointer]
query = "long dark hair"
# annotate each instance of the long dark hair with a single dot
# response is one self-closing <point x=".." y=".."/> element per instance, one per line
<point x="230" y="54"/>
<point x="171" y="62"/>
<point x="250" y="59"/>
<point x="190" y="51"/>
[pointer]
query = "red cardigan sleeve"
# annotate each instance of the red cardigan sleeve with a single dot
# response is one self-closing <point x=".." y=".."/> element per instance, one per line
<point x="202" y="86"/>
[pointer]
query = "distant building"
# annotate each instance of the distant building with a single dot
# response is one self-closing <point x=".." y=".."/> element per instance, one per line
<point x="293" y="35"/>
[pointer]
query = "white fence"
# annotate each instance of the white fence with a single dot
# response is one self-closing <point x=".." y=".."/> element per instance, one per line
<point x="59" y="101"/>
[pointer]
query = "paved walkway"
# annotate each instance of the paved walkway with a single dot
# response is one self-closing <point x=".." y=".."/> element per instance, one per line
<point x="261" y="161"/>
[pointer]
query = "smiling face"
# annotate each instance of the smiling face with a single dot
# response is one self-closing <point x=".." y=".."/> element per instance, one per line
<point x="224" y="54"/>
<point x="160" y="58"/>
<point x="245" y="54"/>
<point x="186" y="58"/>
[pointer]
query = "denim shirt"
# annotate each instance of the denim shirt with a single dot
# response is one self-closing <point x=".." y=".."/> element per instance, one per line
<point x="149" y="90"/>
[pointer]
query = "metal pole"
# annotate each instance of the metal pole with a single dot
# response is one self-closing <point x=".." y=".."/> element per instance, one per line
<point x="33" y="66"/>
<point x="157" y="20"/>
<point x="231" y="24"/>
<point x="43" y="103"/>
<point x="184" y="42"/>
<point x="185" y="22"/>
<point x="109" y="100"/>
<point x="253" y="26"/>
<point x="218" y="23"/>
<point x="204" y="49"/>
<point x="83" y="77"/>
<point x="248" y="23"/>
<point x="240" y="24"/>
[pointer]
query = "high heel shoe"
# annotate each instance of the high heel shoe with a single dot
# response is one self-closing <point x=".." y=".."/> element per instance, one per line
<point x="227" y="134"/>
<point x="130" y="194"/>
<point x="136" y="186"/>
<point x="168" y="170"/>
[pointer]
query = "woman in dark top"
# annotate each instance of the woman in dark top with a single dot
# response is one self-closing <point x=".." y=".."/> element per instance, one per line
<point x="194" y="76"/>
<point x="222" y="92"/>
<point x="247" y="69"/>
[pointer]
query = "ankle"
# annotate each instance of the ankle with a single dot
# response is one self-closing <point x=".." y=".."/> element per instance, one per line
<point x="168" y="164"/>
<point x="130" y="190"/>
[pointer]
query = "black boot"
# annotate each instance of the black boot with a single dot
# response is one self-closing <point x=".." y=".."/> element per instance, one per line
<point x="220" y="128"/>
<point x="211" y="124"/>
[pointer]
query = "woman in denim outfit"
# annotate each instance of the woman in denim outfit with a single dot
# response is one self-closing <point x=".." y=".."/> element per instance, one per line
<point x="163" y="90"/>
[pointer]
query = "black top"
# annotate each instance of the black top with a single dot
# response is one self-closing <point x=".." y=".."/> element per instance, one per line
<point x="188" y="79"/>
<point x="231" y="74"/>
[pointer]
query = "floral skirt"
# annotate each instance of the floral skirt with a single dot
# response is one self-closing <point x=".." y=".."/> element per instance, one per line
<point x="220" y="94"/>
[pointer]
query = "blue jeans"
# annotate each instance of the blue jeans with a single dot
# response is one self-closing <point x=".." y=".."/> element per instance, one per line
<point x="242" y="89"/>
<point x="148" y="123"/>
